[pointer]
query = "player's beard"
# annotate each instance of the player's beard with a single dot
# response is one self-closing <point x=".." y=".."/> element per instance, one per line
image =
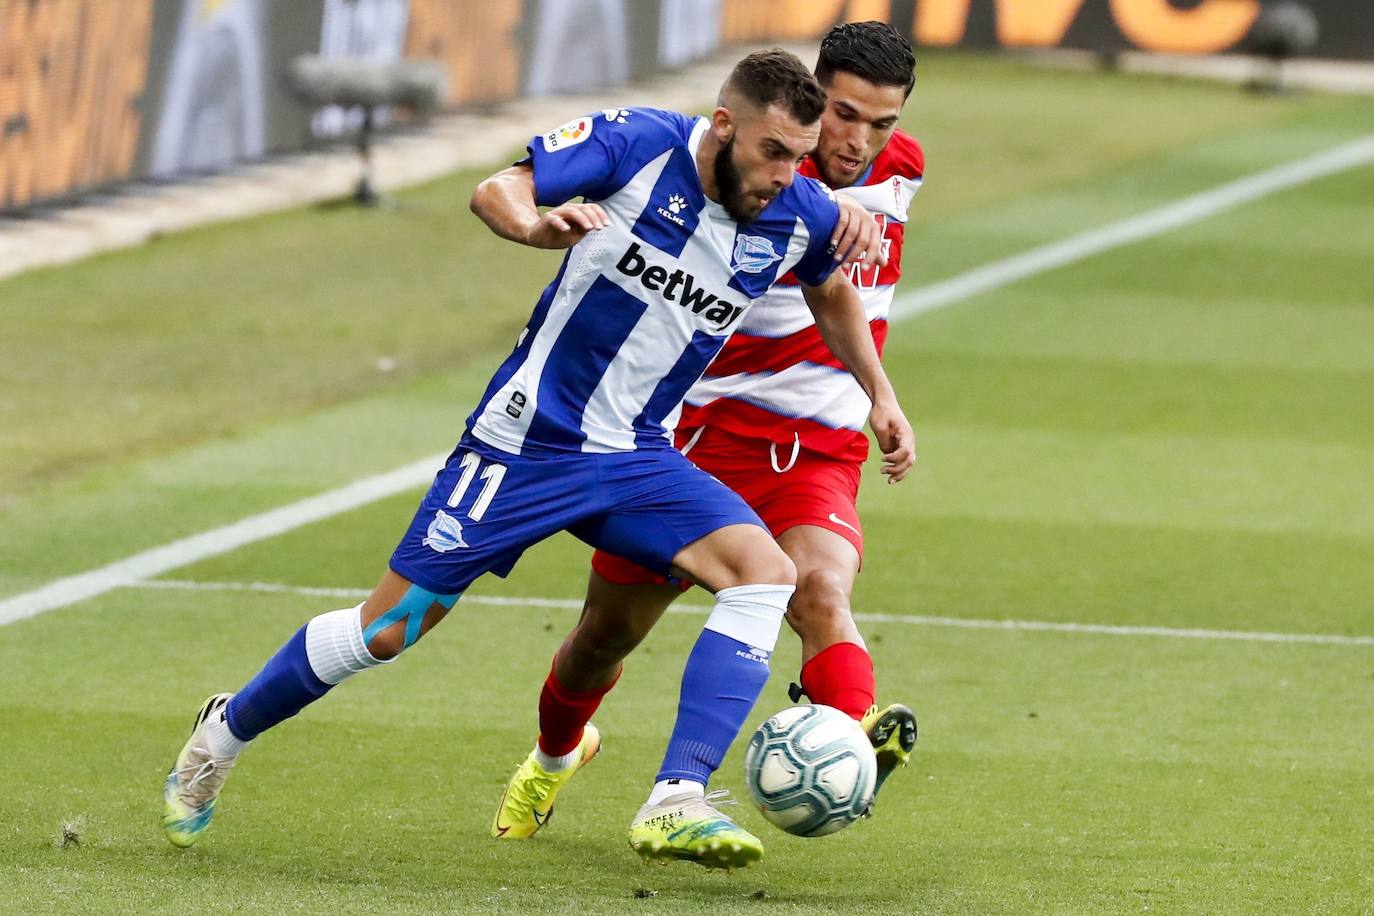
<point x="730" y="184"/>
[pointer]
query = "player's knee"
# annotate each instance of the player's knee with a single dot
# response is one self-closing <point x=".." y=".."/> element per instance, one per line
<point x="819" y="601"/>
<point x="771" y="568"/>
<point x="389" y="633"/>
<point x="779" y="571"/>
<point x="787" y="571"/>
<point x="739" y="555"/>
<point x="387" y="644"/>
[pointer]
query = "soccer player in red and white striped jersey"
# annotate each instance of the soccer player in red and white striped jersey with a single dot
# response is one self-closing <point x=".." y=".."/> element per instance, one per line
<point x="777" y="419"/>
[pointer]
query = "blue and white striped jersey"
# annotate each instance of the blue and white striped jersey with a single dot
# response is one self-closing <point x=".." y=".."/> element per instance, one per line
<point x="638" y="310"/>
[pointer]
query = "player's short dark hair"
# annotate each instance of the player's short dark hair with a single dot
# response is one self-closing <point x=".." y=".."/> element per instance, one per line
<point x="776" y="77"/>
<point x="872" y="51"/>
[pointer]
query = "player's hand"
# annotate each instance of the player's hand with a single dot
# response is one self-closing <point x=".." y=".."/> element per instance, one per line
<point x="895" y="438"/>
<point x="857" y="236"/>
<point x="565" y="226"/>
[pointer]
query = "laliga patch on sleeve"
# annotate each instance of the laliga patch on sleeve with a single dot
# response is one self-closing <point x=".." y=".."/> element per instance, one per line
<point x="570" y="134"/>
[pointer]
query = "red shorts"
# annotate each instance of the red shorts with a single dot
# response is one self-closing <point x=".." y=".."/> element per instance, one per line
<point x="786" y="487"/>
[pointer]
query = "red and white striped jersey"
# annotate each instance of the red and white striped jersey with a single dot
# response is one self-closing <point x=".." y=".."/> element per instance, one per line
<point x="775" y="378"/>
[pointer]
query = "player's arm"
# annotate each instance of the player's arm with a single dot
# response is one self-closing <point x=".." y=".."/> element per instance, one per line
<point x="506" y="203"/>
<point x="840" y="317"/>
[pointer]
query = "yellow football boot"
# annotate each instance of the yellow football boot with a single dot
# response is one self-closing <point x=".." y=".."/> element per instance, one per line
<point x="527" y="803"/>
<point x="688" y="827"/>
<point x="192" y="786"/>
<point x="892" y="731"/>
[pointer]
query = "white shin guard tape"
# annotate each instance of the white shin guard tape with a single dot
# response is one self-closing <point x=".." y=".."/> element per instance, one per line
<point x="334" y="644"/>
<point x="751" y="614"/>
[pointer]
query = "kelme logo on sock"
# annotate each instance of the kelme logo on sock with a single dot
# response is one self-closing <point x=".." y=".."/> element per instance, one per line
<point x="755" y="654"/>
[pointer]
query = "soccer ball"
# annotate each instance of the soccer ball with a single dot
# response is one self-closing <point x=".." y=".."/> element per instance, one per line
<point x="811" y="769"/>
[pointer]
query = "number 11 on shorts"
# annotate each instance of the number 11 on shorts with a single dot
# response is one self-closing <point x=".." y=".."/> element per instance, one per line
<point x="491" y="481"/>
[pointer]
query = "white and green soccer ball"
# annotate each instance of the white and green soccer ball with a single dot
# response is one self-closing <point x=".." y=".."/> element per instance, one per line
<point x="811" y="770"/>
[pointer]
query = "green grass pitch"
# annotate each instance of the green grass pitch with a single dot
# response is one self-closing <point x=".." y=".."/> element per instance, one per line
<point x="1175" y="434"/>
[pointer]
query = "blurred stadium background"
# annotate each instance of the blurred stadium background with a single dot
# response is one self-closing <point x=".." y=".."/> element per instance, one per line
<point x="94" y="93"/>
<point x="1128" y="591"/>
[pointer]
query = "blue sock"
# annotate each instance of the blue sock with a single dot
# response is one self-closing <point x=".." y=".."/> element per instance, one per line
<point x="284" y="686"/>
<point x="719" y="688"/>
<point x="328" y="649"/>
<point x="724" y="676"/>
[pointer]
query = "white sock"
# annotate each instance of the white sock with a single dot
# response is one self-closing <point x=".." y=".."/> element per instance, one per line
<point x="556" y="764"/>
<point x="751" y="614"/>
<point x="334" y="645"/>
<point x="219" y="740"/>
<point x="667" y="788"/>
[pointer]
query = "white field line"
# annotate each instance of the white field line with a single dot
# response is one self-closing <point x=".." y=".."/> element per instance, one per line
<point x="350" y="594"/>
<point x="217" y="541"/>
<point x="1172" y="216"/>
<point x="186" y="551"/>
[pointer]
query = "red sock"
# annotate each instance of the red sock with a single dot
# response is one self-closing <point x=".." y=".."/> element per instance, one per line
<point x="841" y="676"/>
<point x="563" y="713"/>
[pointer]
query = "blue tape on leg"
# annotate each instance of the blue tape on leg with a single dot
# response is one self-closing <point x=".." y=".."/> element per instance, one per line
<point x="411" y="608"/>
<point x="413" y="622"/>
<point x="384" y="621"/>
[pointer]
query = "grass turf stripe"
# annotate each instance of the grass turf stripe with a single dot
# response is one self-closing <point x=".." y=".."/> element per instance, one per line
<point x="1159" y="221"/>
<point x="177" y="554"/>
<point x="970" y="623"/>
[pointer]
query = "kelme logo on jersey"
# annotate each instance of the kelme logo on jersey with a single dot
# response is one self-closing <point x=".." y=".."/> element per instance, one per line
<point x="754" y="254"/>
<point x="445" y="533"/>
<point x="679" y="287"/>
<point x="676" y="204"/>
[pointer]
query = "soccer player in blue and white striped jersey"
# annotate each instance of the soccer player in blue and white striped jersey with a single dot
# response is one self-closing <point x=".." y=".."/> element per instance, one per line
<point x="683" y="222"/>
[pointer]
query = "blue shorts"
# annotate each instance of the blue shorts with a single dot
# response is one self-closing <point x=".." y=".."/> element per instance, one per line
<point x="487" y="506"/>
